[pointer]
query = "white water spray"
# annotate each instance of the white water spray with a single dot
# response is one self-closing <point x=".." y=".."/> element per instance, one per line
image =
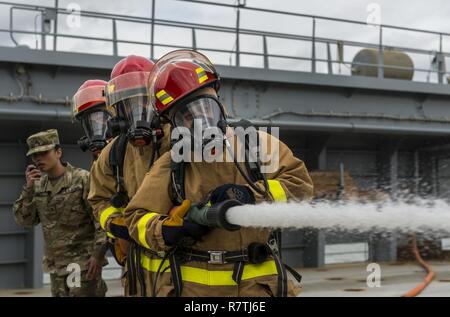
<point x="420" y="216"/>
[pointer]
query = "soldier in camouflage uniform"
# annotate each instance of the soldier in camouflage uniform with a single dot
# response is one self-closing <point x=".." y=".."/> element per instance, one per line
<point x="55" y="195"/>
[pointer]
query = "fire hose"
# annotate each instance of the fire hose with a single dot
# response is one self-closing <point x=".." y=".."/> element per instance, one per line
<point x="430" y="274"/>
<point x="215" y="216"/>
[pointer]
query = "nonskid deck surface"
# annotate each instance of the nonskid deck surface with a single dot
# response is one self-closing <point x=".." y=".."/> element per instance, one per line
<point x="349" y="280"/>
<point x="396" y="279"/>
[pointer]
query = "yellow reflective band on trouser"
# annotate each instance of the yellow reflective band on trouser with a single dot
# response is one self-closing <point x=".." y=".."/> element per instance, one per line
<point x="106" y="213"/>
<point x="277" y="191"/>
<point x="164" y="97"/>
<point x="212" y="278"/>
<point x="142" y="228"/>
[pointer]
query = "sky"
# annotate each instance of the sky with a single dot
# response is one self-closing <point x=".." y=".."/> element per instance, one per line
<point x="430" y="15"/>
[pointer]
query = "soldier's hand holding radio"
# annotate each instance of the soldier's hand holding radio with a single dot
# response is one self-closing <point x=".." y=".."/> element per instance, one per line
<point x="32" y="173"/>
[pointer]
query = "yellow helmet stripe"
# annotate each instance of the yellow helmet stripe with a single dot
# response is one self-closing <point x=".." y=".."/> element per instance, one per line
<point x="111" y="88"/>
<point x="164" y="97"/>
<point x="201" y="73"/>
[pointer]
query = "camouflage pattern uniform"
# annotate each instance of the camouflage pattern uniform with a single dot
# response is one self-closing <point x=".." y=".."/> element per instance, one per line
<point x="71" y="233"/>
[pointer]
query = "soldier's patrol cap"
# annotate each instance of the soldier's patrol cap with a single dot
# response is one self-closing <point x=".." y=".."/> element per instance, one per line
<point x="42" y="141"/>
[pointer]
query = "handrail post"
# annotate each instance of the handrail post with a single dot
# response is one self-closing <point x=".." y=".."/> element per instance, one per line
<point x="152" y="32"/>
<point x="313" y="53"/>
<point x="43" y="41"/>
<point x="55" y="36"/>
<point x="238" y="59"/>
<point x="11" y="25"/>
<point x="265" y="52"/>
<point x="380" y="55"/>
<point x="441" y="62"/>
<point x="114" y="30"/>
<point x="329" y="58"/>
<point x="194" y="40"/>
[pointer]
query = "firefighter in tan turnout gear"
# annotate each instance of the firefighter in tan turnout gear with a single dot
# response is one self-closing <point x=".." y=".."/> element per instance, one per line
<point x="181" y="256"/>
<point x="119" y="170"/>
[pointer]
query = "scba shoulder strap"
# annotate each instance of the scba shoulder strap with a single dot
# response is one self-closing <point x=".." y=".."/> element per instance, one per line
<point x="177" y="174"/>
<point x="116" y="162"/>
<point x="252" y="164"/>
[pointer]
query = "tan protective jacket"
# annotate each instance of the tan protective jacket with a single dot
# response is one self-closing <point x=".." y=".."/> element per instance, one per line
<point x="103" y="184"/>
<point x="147" y="210"/>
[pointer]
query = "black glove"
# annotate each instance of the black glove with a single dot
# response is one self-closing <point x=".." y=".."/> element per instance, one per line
<point x="118" y="228"/>
<point x="188" y="233"/>
<point x="240" y="193"/>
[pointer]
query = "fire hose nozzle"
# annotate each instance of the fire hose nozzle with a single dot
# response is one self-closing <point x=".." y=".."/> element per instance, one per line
<point x="216" y="216"/>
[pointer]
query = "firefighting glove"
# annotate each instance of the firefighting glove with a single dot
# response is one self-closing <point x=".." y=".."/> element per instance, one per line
<point x="120" y="250"/>
<point x="232" y="191"/>
<point x="178" y="231"/>
<point x="118" y="228"/>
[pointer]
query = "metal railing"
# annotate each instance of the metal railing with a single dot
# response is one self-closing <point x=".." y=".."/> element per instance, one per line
<point x="49" y="14"/>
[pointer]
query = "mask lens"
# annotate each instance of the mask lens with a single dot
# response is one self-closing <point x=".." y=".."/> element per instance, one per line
<point x="136" y="109"/>
<point x="94" y="124"/>
<point x="203" y="111"/>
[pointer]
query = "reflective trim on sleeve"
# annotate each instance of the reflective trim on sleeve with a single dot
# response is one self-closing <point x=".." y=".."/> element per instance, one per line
<point x="106" y="213"/>
<point x="277" y="191"/>
<point x="142" y="228"/>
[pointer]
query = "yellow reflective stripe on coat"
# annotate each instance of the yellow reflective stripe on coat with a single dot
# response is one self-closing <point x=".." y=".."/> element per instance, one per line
<point x="212" y="278"/>
<point x="142" y="228"/>
<point x="106" y="213"/>
<point x="277" y="191"/>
